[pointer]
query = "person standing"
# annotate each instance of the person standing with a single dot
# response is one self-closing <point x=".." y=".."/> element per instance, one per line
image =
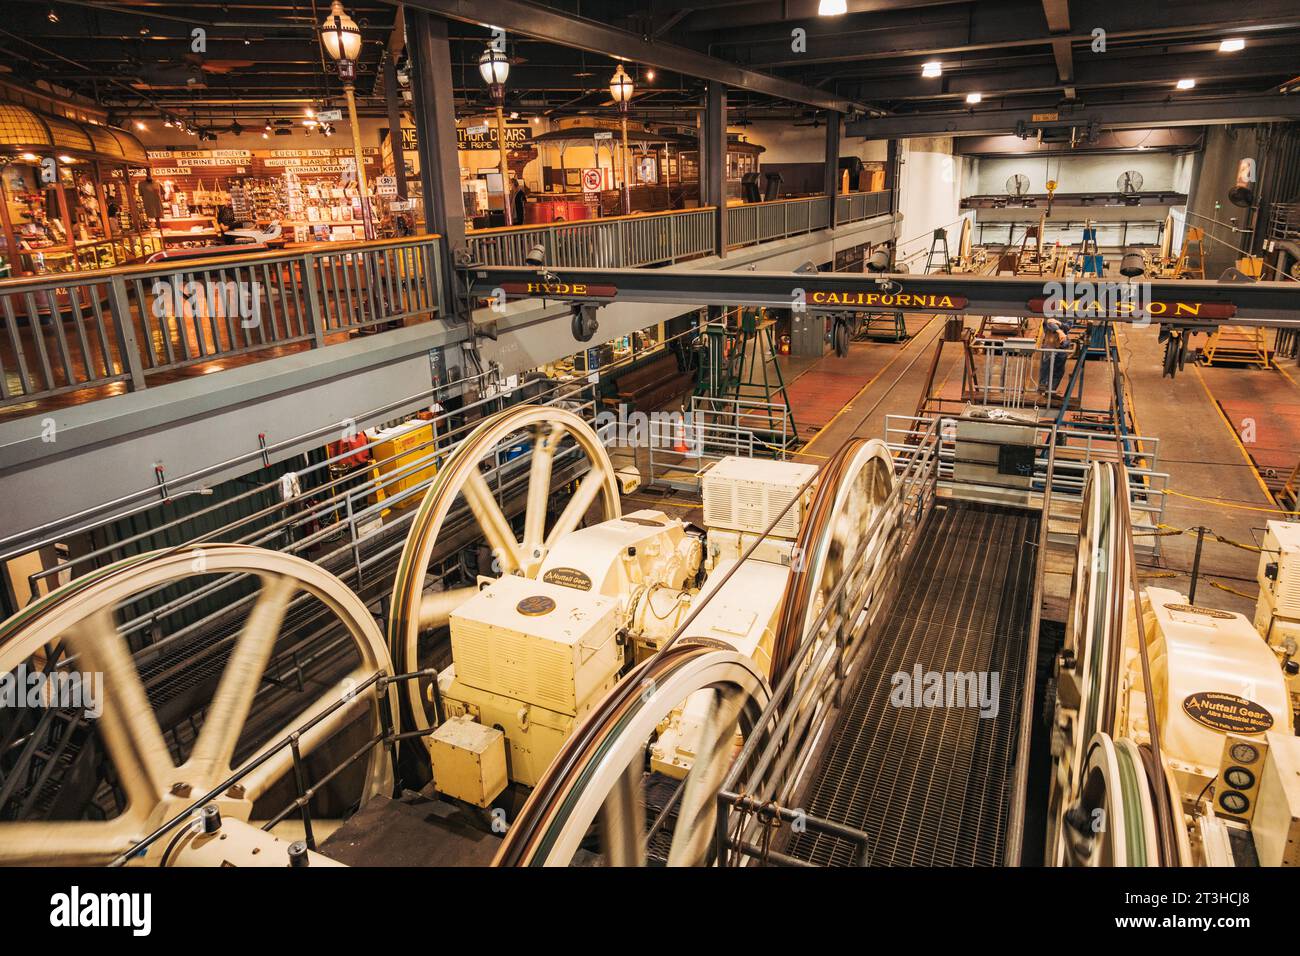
<point x="1052" y="366"/>
<point x="151" y="199"/>
<point x="519" y="201"/>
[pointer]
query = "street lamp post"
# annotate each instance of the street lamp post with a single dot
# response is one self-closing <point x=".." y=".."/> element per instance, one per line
<point x="620" y="88"/>
<point x="341" y="38"/>
<point x="494" y="67"/>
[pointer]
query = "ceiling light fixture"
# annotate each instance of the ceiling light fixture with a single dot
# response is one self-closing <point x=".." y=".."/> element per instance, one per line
<point x="139" y="124"/>
<point x="932" y="69"/>
<point x="974" y="97"/>
<point x="1186" y="84"/>
<point x="832" y="8"/>
<point x="52" y="16"/>
<point x="1232" y="45"/>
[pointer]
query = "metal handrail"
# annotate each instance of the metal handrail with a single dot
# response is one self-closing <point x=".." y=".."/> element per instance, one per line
<point x="388" y="737"/>
<point x="73" y="331"/>
<point x="796" y="711"/>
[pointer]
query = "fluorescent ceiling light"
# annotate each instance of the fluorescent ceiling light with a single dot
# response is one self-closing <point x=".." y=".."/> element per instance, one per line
<point x="1186" y="84"/>
<point x="933" y="68"/>
<point x="832" y="8"/>
<point x="974" y="97"/>
<point x="1232" y="45"/>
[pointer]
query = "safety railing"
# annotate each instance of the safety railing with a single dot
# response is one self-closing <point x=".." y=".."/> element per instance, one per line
<point x="1071" y="456"/>
<point x="375" y="687"/>
<point x="127" y="325"/>
<point x="620" y="242"/>
<point x="681" y="445"/>
<point x="854" y="207"/>
<point x="650" y="239"/>
<point x="763" y="222"/>
<point x="757" y="793"/>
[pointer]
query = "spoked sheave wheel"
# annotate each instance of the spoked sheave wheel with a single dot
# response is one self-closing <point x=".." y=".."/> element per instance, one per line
<point x="1113" y="821"/>
<point x="412" y="610"/>
<point x="592" y="798"/>
<point x="1091" y="642"/>
<point x="852" y="487"/>
<point x="80" y="620"/>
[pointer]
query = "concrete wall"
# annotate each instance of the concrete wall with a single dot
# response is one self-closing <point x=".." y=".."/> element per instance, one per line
<point x="930" y="191"/>
<point x="1078" y="174"/>
<point x="1225" y="147"/>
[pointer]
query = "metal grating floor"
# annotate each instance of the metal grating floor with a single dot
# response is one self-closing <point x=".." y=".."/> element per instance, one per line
<point x="932" y="785"/>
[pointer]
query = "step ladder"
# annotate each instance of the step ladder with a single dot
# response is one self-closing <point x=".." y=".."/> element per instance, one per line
<point x="1237" y="345"/>
<point x="1191" y="260"/>
<point x="1089" y="261"/>
<point x="938" y="245"/>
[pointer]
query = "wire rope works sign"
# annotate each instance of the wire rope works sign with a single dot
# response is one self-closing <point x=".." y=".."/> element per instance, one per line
<point x="591" y="179"/>
<point x="1227" y="712"/>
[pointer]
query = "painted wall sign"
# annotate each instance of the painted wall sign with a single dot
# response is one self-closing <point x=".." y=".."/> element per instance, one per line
<point x="485" y="137"/>
<point x="887" y="300"/>
<point x="560" y="290"/>
<point x="569" y="578"/>
<point x="1092" y="307"/>
<point x="1227" y="712"/>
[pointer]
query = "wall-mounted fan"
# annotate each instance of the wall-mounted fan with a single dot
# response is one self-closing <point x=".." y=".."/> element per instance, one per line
<point x="1017" y="185"/>
<point x="1130" y="181"/>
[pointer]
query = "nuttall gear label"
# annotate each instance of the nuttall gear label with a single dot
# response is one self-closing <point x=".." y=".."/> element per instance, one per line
<point x="569" y="578"/>
<point x="1227" y="712"/>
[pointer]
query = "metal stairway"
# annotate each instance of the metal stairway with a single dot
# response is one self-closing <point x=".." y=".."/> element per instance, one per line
<point x="935" y="786"/>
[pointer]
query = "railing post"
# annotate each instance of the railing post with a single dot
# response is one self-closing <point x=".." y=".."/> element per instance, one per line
<point x="672" y="238"/>
<point x="622" y="247"/>
<point x="119" y="307"/>
<point x="313" y="300"/>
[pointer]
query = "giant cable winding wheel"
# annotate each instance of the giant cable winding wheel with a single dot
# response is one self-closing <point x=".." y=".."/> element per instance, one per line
<point x="853" y="486"/>
<point x="412" y="611"/>
<point x="595" y="784"/>
<point x="79" y="621"/>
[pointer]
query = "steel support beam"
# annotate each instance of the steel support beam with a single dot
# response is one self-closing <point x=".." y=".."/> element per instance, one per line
<point x="832" y="186"/>
<point x="542" y="23"/>
<point x="1182" y="301"/>
<point x="435" y="124"/>
<point x="1057" y="13"/>
<point x="714" y="159"/>
<point x="393" y="100"/>
<point x="1190" y="112"/>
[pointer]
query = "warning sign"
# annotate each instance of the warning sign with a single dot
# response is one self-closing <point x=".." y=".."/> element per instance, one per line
<point x="591" y="179"/>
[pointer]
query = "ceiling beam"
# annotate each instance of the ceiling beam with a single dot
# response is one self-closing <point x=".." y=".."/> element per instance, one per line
<point x="1095" y="72"/>
<point x="992" y="26"/>
<point x="541" y="23"/>
<point x="1057" y="13"/>
<point x="1124" y="115"/>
